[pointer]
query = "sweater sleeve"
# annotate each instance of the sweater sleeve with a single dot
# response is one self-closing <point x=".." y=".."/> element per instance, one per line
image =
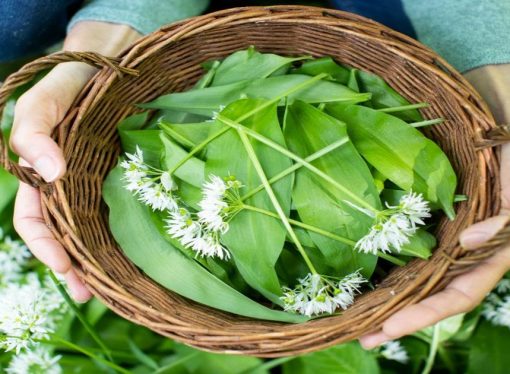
<point x="144" y="16"/>
<point x="467" y="33"/>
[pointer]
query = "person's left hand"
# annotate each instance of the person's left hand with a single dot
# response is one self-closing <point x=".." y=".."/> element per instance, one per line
<point x="465" y="292"/>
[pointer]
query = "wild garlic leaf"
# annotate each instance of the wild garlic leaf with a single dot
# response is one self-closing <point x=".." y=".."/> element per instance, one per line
<point x="420" y="245"/>
<point x="186" y="134"/>
<point x="211" y="99"/>
<point x="254" y="239"/>
<point x="323" y="205"/>
<point x="250" y="64"/>
<point x="384" y="96"/>
<point x="324" y="65"/>
<point x="133" y="229"/>
<point x="147" y="140"/>
<point x="401" y="153"/>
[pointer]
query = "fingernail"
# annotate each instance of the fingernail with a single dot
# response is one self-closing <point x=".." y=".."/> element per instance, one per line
<point x="46" y="168"/>
<point x="474" y="239"/>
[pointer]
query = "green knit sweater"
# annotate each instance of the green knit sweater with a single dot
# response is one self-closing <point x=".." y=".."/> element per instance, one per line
<point x="467" y="33"/>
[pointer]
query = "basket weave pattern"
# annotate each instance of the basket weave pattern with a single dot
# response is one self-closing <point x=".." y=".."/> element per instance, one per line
<point x="169" y="60"/>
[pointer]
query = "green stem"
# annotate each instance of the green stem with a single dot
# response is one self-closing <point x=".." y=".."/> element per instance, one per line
<point x="403" y="107"/>
<point x="58" y="340"/>
<point x="260" y="171"/>
<point x="427" y="122"/>
<point x="297" y="165"/>
<point x="246" y="115"/>
<point x="277" y="147"/>
<point x="433" y="350"/>
<point x="80" y="316"/>
<point x="320" y="231"/>
<point x="268" y="365"/>
<point x="171" y="365"/>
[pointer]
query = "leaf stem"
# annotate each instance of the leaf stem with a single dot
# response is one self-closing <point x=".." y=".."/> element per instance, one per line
<point x="286" y="152"/>
<point x="403" y="107"/>
<point x="297" y="165"/>
<point x="322" y="232"/>
<point x="281" y="214"/>
<point x="433" y="350"/>
<point x="57" y="340"/>
<point x="246" y="115"/>
<point x="427" y="122"/>
<point x="80" y="316"/>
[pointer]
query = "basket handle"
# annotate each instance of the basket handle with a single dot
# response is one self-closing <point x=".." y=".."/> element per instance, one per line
<point x="25" y="75"/>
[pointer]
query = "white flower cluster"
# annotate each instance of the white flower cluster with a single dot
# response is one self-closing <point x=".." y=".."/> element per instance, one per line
<point x="13" y="257"/>
<point x="218" y="204"/>
<point x="395" y="225"/>
<point x="201" y="234"/>
<point x="37" y="360"/>
<point x="496" y="307"/>
<point x="393" y="350"/>
<point x="28" y="313"/>
<point x="316" y="294"/>
<point x="152" y="187"/>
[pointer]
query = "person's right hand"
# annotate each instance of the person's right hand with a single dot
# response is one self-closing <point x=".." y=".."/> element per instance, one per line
<point x="37" y="112"/>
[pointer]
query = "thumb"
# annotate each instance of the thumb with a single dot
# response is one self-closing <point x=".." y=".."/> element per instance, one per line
<point x="38" y="111"/>
<point x="481" y="232"/>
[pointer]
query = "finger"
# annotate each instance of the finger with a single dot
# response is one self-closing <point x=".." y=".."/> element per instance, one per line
<point x="34" y="119"/>
<point x="462" y="295"/>
<point x="30" y="225"/>
<point x="76" y="287"/>
<point x="480" y="232"/>
<point x="39" y="110"/>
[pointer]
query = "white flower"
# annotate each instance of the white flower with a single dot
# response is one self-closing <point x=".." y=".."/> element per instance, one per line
<point x="393" y="350"/>
<point x="191" y="234"/>
<point x="181" y="226"/>
<point x="27" y="313"/>
<point x="208" y="245"/>
<point x="17" y="250"/>
<point x="158" y="198"/>
<point x="316" y="294"/>
<point x="503" y="286"/>
<point x="219" y="199"/>
<point x="414" y="207"/>
<point x="10" y="270"/>
<point x="36" y="361"/>
<point x="153" y="187"/>
<point x="497" y="310"/>
<point x="394" y="226"/>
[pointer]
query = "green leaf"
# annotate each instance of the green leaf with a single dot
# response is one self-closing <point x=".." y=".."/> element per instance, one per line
<point x="383" y="96"/>
<point x="324" y="65"/>
<point x="250" y="64"/>
<point x="192" y="171"/>
<point x="147" y="140"/>
<point x="489" y="350"/>
<point x="401" y="153"/>
<point x="208" y="100"/>
<point x="321" y="204"/>
<point x="420" y="245"/>
<point x="8" y="188"/>
<point x="254" y="239"/>
<point x="186" y="134"/>
<point x="141" y="356"/>
<point x="132" y="227"/>
<point x="447" y="328"/>
<point x="347" y="358"/>
<point x="133" y="122"/>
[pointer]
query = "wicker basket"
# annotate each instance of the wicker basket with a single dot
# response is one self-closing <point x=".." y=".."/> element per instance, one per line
<point x="169" y="60"/>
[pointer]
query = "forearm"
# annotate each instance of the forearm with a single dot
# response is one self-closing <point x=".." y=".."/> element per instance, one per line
<point x="493" y="84"/>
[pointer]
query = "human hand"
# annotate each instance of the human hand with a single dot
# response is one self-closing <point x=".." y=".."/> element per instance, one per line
<point x="37" y="112"/>
<point x="465" y="292"/>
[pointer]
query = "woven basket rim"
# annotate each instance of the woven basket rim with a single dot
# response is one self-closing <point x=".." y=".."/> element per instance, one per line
<point x="266" y="339"/>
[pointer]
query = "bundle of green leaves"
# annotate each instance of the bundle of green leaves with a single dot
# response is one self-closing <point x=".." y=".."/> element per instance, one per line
<point x="277" y="183"/>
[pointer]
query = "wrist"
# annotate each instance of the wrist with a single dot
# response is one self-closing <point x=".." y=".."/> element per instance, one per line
<point x="493" y="84"/>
